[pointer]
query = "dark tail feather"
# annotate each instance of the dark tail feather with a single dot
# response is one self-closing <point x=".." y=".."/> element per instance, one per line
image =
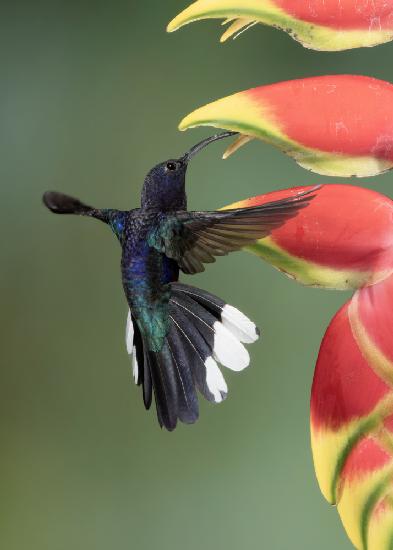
<point x="233" y="319"/>
<point x="188" y="407"/>
<point x="204" y="331"/>
<point x="167" y="372"/>
<point x="196" y="351"/>
<point x="164" y="388"/>
<point x="173" y="385"/>
<point x="147" y="384"/>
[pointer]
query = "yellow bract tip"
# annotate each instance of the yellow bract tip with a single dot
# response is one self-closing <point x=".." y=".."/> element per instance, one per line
<point x="196" y="11"/>
<point x="173" y="25"/>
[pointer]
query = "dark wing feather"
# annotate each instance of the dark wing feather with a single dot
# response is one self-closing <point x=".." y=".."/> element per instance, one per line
<point x="196" y="238"/>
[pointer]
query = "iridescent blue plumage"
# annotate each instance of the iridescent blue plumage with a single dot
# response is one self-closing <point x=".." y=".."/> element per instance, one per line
<point x="117" y="222"/>
<point x="177" y="334"/>
<point x="146" y="275"/>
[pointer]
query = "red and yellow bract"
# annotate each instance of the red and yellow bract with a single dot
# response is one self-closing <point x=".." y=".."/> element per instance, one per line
<point x="317" y="24"/>
<point x="344" y="239"/>
<point x="352" y="416"/>
<point x="338" y="125"/>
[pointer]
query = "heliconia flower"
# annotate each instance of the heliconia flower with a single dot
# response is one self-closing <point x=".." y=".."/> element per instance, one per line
<point x="352" y="416"/>
<point x="343" y="239"/>
<point x="318" y="24"/>
<point x="339" y="125"/>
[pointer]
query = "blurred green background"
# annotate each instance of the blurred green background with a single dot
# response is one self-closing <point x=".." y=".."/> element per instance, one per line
<point x="91" y="94"/>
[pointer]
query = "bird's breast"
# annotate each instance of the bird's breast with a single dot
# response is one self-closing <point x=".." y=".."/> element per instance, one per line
<point x="146" y="274"/>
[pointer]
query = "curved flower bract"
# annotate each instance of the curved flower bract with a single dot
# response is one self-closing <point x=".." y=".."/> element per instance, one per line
<point x="352" y="416"/>
<point x="339" y="125"/>
<point x="342" y="239"/>
<point x="328" y="25"/>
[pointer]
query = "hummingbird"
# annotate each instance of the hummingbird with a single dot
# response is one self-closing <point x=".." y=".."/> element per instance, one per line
<point x="177" y="334"/>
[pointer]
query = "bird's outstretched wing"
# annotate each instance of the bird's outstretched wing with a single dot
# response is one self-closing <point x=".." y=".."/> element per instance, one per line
<point x="196" y="238"/>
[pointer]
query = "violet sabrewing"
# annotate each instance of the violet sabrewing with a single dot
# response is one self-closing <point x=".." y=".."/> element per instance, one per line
<point x="177" y="334"/>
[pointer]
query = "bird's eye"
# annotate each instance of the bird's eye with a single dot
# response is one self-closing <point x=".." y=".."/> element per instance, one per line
<point x="171" y="166"/>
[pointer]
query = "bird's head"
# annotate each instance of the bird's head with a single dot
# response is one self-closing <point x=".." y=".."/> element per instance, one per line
<point x="164" y="186"/>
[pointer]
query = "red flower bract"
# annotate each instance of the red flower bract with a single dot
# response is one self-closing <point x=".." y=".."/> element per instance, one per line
<point x="318" y="24"/>
<point x="338" y="125"/>
<point x="344" y="239"/>
<point x="338" y="14"/>
<point x="352" y="413"/>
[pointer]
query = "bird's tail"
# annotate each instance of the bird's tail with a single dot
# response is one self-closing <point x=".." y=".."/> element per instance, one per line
<point x="203" y="332"/>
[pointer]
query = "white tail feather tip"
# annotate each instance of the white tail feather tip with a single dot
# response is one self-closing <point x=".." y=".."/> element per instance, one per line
<point x="239" y="325"/>
<point x="215" y="380"/>
<point x="129" y="334"/>
<point x="228" y="350"/>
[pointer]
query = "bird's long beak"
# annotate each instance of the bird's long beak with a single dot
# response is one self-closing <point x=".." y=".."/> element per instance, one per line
<point x="201" y="145"/>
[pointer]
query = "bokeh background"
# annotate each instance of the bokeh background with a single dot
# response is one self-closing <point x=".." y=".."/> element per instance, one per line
<point x="90" y="97"/>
